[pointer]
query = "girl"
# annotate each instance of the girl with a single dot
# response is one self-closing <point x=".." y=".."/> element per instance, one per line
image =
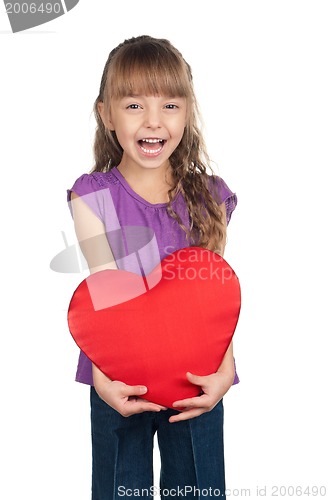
<point x="151" y="172"/>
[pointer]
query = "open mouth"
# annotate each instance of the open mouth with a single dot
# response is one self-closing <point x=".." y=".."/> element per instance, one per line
<point x="151" y="146"/>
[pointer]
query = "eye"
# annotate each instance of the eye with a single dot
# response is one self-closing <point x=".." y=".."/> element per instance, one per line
<point x="133" y="106"/>
<point x="171" y="106"/>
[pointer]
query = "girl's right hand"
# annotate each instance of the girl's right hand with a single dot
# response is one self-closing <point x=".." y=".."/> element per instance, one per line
<point x="122" y="397"/>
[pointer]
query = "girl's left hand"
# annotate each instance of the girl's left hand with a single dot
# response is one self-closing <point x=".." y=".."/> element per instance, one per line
<point x="214" y="387"/>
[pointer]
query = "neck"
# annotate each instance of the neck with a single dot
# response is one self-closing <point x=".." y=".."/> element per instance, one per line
<point x="152" y="184"/>
<point x="145" y="174"/>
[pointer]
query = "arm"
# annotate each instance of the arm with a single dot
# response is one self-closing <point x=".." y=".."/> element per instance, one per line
<point x="214" y="386"/>
<point x="90" y="232"/>
<point x="94" y="245"/>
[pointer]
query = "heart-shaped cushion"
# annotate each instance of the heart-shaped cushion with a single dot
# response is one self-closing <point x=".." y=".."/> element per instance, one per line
<point x="152" y="337"/>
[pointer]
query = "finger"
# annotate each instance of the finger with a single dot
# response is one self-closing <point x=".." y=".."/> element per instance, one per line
<point x="195" y="379"/>
<point x="133" y="390"/>
<point x="197" y="402"/>
<point x="139" y="406"/>
<point x="186" y="415"/>
<point x="160" y="406"/>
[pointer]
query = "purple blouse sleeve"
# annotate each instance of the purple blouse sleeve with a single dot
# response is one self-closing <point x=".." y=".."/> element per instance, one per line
<point x="90" y="189"/>
<point x="223" y="193"/>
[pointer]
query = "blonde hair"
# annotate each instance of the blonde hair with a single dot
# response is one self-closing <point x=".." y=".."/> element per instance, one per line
<point x="154" y="66"/>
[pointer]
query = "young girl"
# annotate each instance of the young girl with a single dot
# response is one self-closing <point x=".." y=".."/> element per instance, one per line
<point x="151" y="172"/>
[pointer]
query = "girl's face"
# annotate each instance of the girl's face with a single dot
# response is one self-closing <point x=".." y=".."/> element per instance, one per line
<point x="148" y="128"/>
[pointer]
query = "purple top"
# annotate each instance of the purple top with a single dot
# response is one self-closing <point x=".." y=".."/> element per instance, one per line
<point x="140" y="233"/>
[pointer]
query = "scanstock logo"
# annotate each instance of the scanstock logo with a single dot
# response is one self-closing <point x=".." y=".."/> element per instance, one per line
<point x="28" y="14"/>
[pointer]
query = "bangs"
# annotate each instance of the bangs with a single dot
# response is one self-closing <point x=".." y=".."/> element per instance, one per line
<point x="150" y="70"/>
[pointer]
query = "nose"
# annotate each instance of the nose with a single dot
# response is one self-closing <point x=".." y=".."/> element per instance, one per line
<point x="153" y="118"/>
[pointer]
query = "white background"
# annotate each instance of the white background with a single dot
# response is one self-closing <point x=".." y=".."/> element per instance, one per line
<point x="261" y="76"/>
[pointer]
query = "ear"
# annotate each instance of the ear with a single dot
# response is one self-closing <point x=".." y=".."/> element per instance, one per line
<point x="105" y="116"/>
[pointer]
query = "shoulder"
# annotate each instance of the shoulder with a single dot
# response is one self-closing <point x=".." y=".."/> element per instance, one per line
<point x="93" y="188"/>
<point x="91" y="183"/>
<point x="223" y="194"/>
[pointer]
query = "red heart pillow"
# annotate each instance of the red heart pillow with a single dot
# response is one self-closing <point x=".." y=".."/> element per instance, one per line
<point x="152" y="337"/>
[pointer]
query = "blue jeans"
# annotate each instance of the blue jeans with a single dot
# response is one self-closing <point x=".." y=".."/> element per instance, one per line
<point x="191" y="451"/>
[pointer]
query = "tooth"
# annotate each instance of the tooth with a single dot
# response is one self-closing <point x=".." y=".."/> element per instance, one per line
<point x="152" y="141"/>
<point x="149" y="151"/>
